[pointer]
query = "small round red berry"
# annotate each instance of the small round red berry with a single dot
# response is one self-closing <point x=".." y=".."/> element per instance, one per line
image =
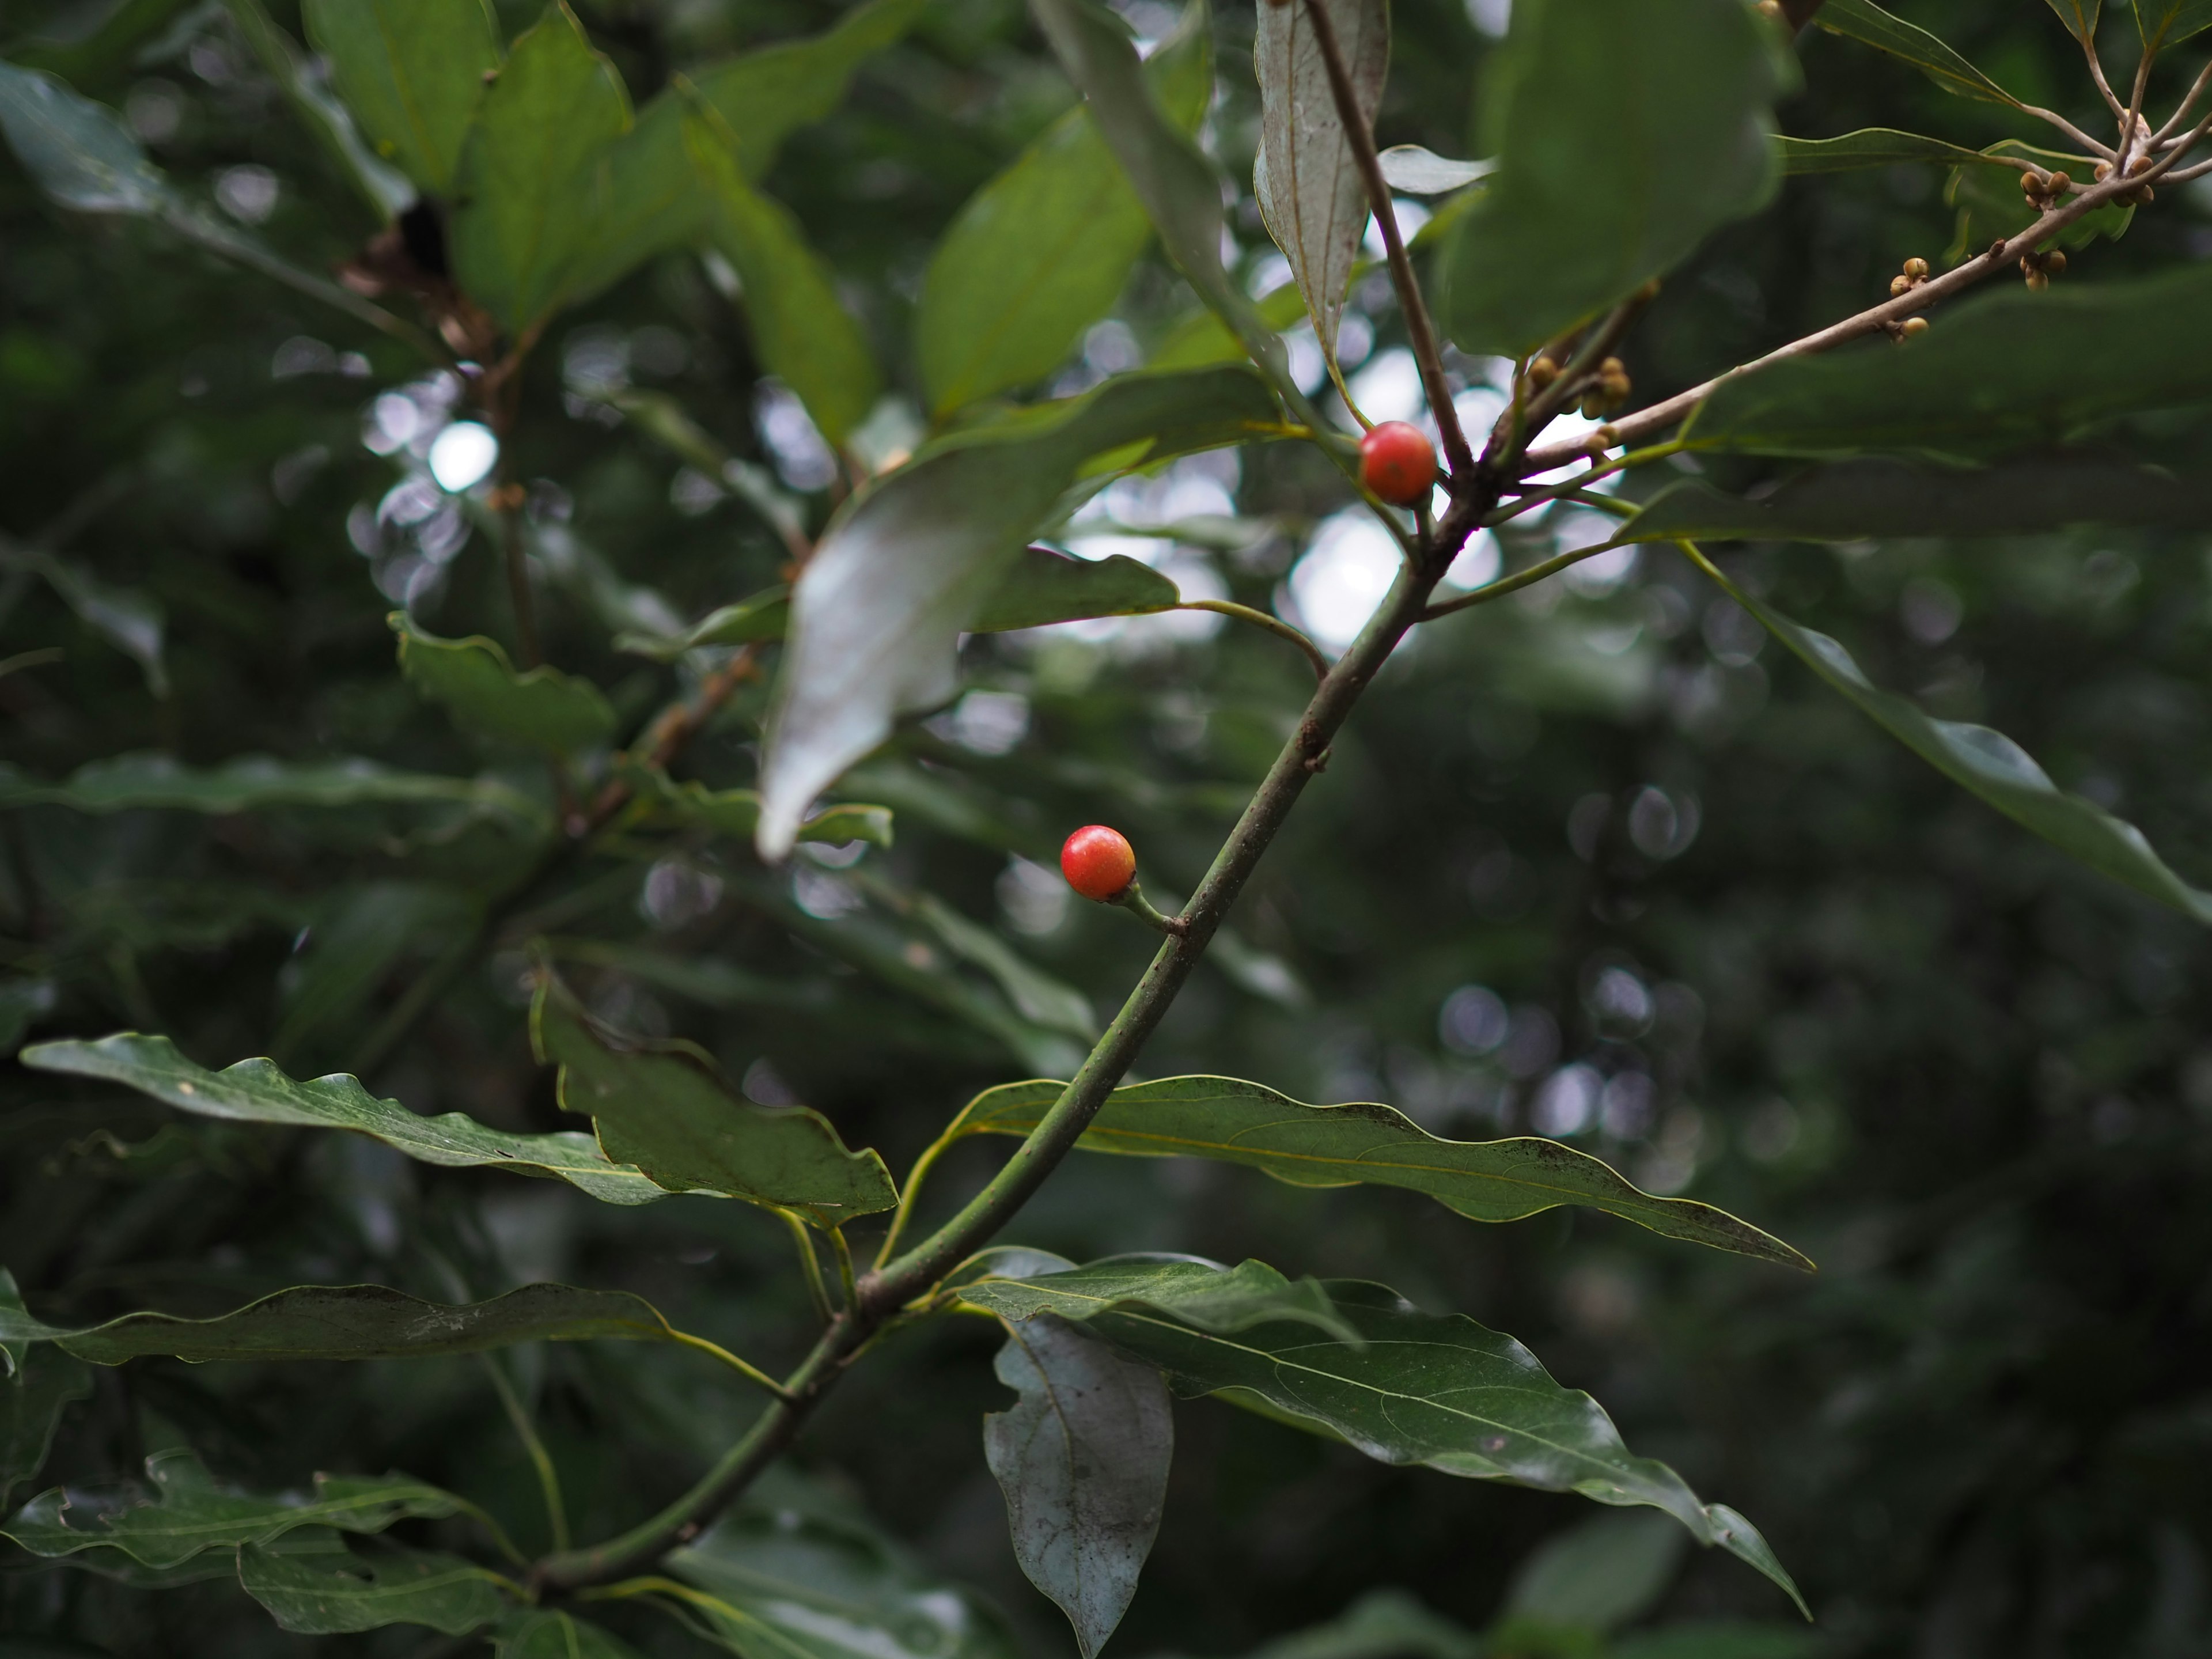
<point x="1099" y="862"/>
<point x="1398" y="463"/>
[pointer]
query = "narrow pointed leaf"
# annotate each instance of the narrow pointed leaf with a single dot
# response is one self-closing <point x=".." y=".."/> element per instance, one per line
<point x="1965" y="389"/>
<point x="185" y="1510"/>
<point x="802" y="331"/>
<point x="736" y="813"/>
<point x="1246" y="1123"/>
<point x="902" y="572"/>
<point x="1305" y="177"/>
<point x="327" y="1594"/>
<point x="552" y="1635"/>
<point x="763" y="615"/>
<point x="1083" y="1459"/>
<point x="256" y="1092"/>
<point x="412" y="72"/>
<point x="43" y="1385"/>
<point x="1179" y="187"/>
<point x="526" y="208"/>
<point x="1871" y="499"/>
<point x="1419" y="172"/>
<point x="766" y="95"/>
<point x="257" y="783"/>
<point x="1864" y="21"/>
<point x="1042" y="587"/>
<point x="1415" y="1389"/>
<point x="543" y="708"/>
<point x="1665" y="137"/>
<point x="1043" y="251"/>
<point x="1222" y="1302"/>
<point x="1877" y="147"/>
<point x="665" y="1107"/>
<point x="305" y="85"/>
<point x="367" y="1321"/>
<point x="1991" y="765"/>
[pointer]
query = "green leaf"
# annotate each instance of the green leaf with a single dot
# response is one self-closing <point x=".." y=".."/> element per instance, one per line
<point x="1221" y="1301"/>
<point x="1303" y="174"/>
<point x="1967" y="389"/>
<point x="803" y="333"/>
<point x="1719" y="1639"/>
<point x="1237" y="1122"/>
<point x="761" y="616"/>
<point x="2169" y="22"/>
<point x="1179" y="187"/>
<point x="1864" y="21"/>
<point x="766" y="95"/>
<point x="1872" y="498"/>
<point x="1604" y="1573"/>
<point x="1417" y="172"/>
<point x="1878" y="146"/>
<point x="1413" y="1388"/>
<point x="543" y="708"/>
<point x="306" y="86"/>
<point x="1202" y="338"/>
<point x="1082" y="1460"/>
<point x="255" y="1091"/>
<point x="526" y="207"/>
<point x="1665" y="137"/>
<point x="1044" y="249"/>
<point x="665" y="1107"/>
<point x="736" y="813"/>
<point x="1989" y="764"/>
<point x="188" y="1510"/>
<point x="795" y="1577"/>
<point x="357" y="1322"/>
<point x="18" y="1329"/>
<point x="546" y="1635"/>
<point x="326" y="1594"/>
<point x="2080" y="16"/>
<point x="42" y="1386"/>
<point x="1383" y="1624"/>
<point x="1042" y="588"/>
<point x="253" y="783"/>
<point x="1991" y="205"/>
<point x="412" y="72"/>
<point x="902" y="571"/>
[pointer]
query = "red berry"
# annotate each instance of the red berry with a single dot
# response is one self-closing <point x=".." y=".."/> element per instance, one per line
<point x="1099" y="862"/>
<point x="1398" y="463"/>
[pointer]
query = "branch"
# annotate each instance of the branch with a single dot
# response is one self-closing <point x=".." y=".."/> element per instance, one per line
<point x="1542" y="410"/>
<point x="1646" y="421"/>
<point x="2181" y="110"/>
<point x="1420" y="333"/>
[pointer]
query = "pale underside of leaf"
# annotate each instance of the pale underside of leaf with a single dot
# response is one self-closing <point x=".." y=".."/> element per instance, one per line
<point x="1419" y="172"/>
<point x="1305" y="175"/>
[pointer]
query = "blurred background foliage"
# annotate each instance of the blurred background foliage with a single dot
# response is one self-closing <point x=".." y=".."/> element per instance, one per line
<point x="1594" y="862"/>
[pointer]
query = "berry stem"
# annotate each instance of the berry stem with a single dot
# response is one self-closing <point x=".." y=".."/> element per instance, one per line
<point x="1132" y="898"/>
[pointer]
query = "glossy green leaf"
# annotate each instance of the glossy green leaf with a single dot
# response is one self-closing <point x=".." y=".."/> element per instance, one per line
<point x="736" y="813"/>
<point x="796" y="1576"/>
<point x="1599" y="1575"/>
<point x="358" y="1322"/>
<point x="186" y="1509"/>
<point x="525" y="210"/>
<point x="902" y="572"/>
<point x="412" y="72"/>
<point x="766" y="95"/>
<point x="1304" y="175"/>
<point x="554" y="1635"/>
<point x="1179" y="187"/>
<point x="1082" y="1458"/>
<point x="255" y="1091"/>
<point x="307" y="88"/>
<point x="543" y="708"/>
<point x="1864" y="21"/>
<point x="1237" y="1122"/>
<point x="1417" y="172"/>
<point x="2080" y="16"/>
<point x="40" y="1387"/>
<point x="2168" y="22"/>
<point x="1878" y="146"/>
<point x="1966" y="389"/>
<point x="802" y="332"/>
<point x="665" y="1107"/>
<point x="323" y="1595"/>
<point x="1991" y="205"/>
<point x="1871" y="498"/>
<point x="1665" y="137"/>
<point x="762" y="617"/>
<point x="1991" y="765"/>
<point x="1042" y="587"/>
<point x="1413" y="1388"/>
<point x="1221" y="1301"/>
<point x="257" y="783"/>
<point x="1044" y="249"/>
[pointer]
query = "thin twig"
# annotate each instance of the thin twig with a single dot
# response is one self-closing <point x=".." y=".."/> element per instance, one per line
<point x="1546" y="406"/>
<point x="2181" y="112"/>
<point x="549" y="1477"/>
<point x="1420" y="334"/>
<point x="2097" y="74"/>
<point x="2069" y="129"/>
<point x="1275" y="625"/>
<point x="1519" y="579"/>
